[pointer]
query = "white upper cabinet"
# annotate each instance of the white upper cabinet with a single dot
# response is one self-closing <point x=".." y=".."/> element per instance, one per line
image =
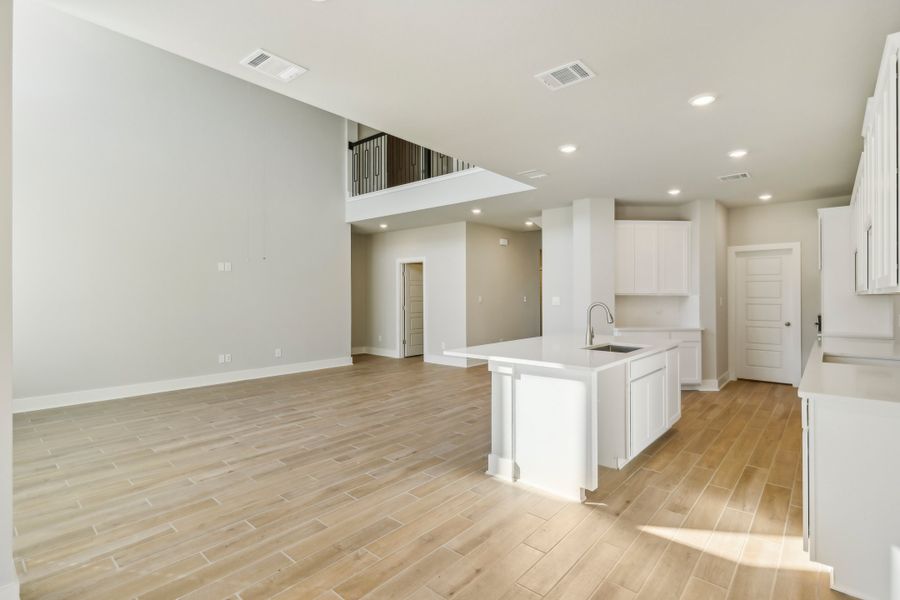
<point x="875" y="196"/>
<point x="653" y="258"/>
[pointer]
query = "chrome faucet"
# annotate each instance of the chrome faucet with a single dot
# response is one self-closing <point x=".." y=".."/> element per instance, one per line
<point x="589" y="339"/>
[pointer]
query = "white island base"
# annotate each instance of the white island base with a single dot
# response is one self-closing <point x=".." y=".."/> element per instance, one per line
<point x="559" y="411"/>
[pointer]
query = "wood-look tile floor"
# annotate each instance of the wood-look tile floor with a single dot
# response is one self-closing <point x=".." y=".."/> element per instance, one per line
<point x="367" y="482"/>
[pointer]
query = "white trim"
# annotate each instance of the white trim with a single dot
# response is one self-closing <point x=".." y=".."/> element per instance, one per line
<point x="450" y="361"/>
<point x="706" y="385"/>
<point x="401" y="294"/>
<point x="358" y="350"/>
<point x="415" y="184"/>
<point x="10" y="591"/>
<point x="794" y="274"/>
<point x="386" y="352"/>
<point x="724" y="379"/>
<point x="32" y="403"/>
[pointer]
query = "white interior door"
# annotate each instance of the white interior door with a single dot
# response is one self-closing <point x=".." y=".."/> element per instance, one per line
<point x="413" y="310"/>
<point x="766" y="325"/>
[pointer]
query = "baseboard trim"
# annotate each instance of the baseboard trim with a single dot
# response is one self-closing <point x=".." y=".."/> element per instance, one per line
<point x="708" y="385"/>
<point x="358" y="350"/>
<point x="10" y="591"/>
<point x="29" y="404"/>
<point x="386" y="352"/>
<point x="449" y="361"/>
<point x="724" y="379"/>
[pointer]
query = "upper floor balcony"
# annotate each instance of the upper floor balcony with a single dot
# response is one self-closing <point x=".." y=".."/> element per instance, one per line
<point x="387" y="175"/>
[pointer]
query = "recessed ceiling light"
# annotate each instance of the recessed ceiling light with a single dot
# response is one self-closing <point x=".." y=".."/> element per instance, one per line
<point x="674" y="192"/>
<point x="383" y="225"/>
<point x="476" y="211"/>
<point x="702" y="100"/>
<point x="568" y="148"/>
<point x="737" y="153"/>
<point x="765" y="197"/>
<point x="529" y="223"/>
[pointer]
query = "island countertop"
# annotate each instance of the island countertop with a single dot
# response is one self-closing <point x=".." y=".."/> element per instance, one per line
<point x="562" y="351"/>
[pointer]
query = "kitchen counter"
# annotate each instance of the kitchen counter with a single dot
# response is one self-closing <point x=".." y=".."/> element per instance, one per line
<point x="564" y="351"/>
<point x="560" y="410"/>
<point x="658" y="328"/>
<point x="850" y="415"/>
<point x="825" y="375"/>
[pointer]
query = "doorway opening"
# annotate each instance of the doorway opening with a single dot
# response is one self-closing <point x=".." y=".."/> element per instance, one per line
<point x="764" y="312"/>
<point x="412" y="309"/>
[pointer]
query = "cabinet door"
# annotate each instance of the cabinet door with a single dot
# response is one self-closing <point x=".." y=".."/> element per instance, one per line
<point x="673" y="387"/>
<point x="689" y="361"/>
<point x="647" y="414"/>
<point x="624" y="258"/>
<point x="646" y="256"/>
<point x="674" y="240"/>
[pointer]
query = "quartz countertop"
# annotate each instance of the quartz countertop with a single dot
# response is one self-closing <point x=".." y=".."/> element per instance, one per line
<point x="853" y="381"/>
<point x="562" y="351"/>
<point x="659" y="328"/>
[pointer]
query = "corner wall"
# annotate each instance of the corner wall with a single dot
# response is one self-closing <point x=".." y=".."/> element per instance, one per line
<point x="502" y="284"/>
<point x="442" y="248"/>
<point x="131" y="185"/>
<point x="9" y="588"/>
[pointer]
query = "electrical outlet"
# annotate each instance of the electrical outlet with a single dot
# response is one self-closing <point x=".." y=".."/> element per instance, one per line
<point x="221" y="267"/>
<point x="443" y="345"/>
<point x="525" y="299"/>
<point x="227" y="267"/>
<point x="277" y="352"/>
<point x="480" y="299"/>
<point x="379" y="338"/>
<point x="221" y="359"/>
<point x="228" y="358"/>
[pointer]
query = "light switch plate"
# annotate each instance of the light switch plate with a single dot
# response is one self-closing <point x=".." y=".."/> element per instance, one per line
<point x="555" y="301"/>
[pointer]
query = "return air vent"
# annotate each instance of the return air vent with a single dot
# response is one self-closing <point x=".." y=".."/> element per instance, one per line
<point x="734" y="177"/>
<point x="273" y="66"/>
<point x="565" y="75"/>
<point x="532" y="174"/>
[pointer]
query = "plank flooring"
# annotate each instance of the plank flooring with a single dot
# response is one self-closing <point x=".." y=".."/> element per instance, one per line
<point x="367" y="482"/>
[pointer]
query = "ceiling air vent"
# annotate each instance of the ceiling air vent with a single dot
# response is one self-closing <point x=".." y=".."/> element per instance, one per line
<point x="565" y="75"/>
<point x="273" y="66"/>
<point x="532" y="174"/>
<point x="734" y="177"/>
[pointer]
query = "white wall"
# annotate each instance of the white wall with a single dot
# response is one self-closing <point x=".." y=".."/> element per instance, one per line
<point x="8" y="586"/>
<point x="593" y="261"/>
<point x="556" y="229"/>
<point x="136" y="172"/>
<point x="359" y="269"/>
<point x="443" y="250"/>
<point x="502" y="276"/>
<point x="721" y="290"/>
<point x="788" y="222"/>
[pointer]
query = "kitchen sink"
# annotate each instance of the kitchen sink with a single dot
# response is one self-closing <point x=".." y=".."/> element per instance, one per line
<point x="615" y="348"/>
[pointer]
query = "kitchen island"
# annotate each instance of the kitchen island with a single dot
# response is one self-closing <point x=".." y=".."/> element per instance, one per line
<point x="560" y="409"/>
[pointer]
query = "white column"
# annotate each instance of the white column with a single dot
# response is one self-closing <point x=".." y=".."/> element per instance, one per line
<point x="593" y="260"/>
<point x="500" y="460"/>
<point x="9" y="588"/>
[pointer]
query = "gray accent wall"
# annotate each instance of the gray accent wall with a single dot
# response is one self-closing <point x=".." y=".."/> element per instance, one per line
<point x="136" y="173"/>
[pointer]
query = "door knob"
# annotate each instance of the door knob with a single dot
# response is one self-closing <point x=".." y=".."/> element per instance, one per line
<point x="787" y="324"/>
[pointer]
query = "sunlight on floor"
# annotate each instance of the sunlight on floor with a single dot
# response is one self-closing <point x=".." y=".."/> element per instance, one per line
<point x="753" y="549"/>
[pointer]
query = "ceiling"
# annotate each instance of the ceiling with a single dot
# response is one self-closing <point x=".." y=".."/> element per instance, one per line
<point x="791" y="78"/>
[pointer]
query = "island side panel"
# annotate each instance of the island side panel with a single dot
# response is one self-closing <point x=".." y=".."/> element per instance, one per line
<point x="612" y="417"/>
<point x="500" y="460"/>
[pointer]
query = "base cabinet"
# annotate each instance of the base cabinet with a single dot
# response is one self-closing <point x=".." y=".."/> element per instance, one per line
<point x="648" y="410"/>
<point x="689" y="349"/>
<point x="851" y="492"/>
<point x="654" y="399"/>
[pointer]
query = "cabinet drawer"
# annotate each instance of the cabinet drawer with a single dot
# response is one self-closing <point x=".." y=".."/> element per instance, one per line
<point x="642" y="366"/>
